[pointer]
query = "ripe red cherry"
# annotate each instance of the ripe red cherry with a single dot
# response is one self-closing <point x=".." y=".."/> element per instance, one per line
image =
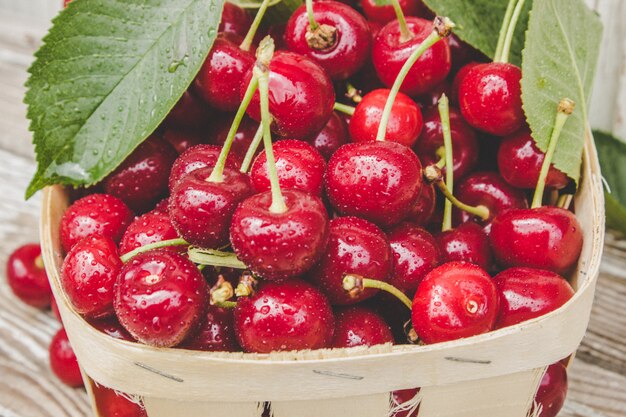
<point x="63" y="360"/>
<point x="181" y="140"/>
<point x="403" y="396"/>
<point x="359" y="326"/>
<point x="200" y="156"/>
<point x="431" y="98"/>
<point x="405" y="121"/>
<point x="242" y="140"/>
<point x="100" y="214"/>
<point x="301" y="96"/>
<point x="422" y="212"/>
<point x="111" y="404"/>
<point x="111" y="327"/>
<point x="469" y="243"/>
<point x="379" y="181"/>
<point x="349" y="46"/>
<point x="519" y="163"/>
<point x="235" y="20"/>
<point x="88" y="275"/>
<point x="355" y="246"/>
<point x="216" y="333"/>
<point x="332" y="136"/>
<point x="279" y="245"/>
<point x="146" y="229"/>
<point x="389" y="53"/>
<point x="376" y="12"/>
<point x="455" y="300"/>
<point x="201" y="210"/>
<point x="552" y="390"/>
<point x="27" y="277"/>
<point x="290" y="315"/>
<point x="415" y="253"/>
<point x="458" y="79"/>
<point x="526" y="293"/>
<point x="141" y="180"/>
<point x="189" y="113"/>
<point x="298" y="164"/>
<point x="490" y="98"/>
<point x="545" y="238"/>
<point x="160" y="297"/>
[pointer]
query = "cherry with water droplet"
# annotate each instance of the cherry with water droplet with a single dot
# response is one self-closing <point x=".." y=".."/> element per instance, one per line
<point x="332" y="136"/>
<point x="216" y="332"/>
<point x="146" y="229"/>
<point x="468" y="243"/>
<point x="359" y="326"/>
<point x="200" y="156"/>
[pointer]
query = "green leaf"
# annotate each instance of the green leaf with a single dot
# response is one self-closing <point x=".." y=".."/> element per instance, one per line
<point x="278" y="11"/>
<point x="612" y="154"/>
<point x="559" y="60"/>
<point x="107" y="75"/>
<point x="479" y="22"/>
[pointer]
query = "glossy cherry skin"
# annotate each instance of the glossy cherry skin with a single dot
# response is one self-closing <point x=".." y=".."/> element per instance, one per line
<point x="468" y="243"/>
<point x="63" y="360"/>
<point x="242" y="140"/>
<point x="301" y="96"/>
<point x="216" y="333"/>
<point x="552" y="390"/>
<point x="332" y="136"/>
<point x="277" y="246"/>
<point x="464" y="142"/>
<point x="181" y="140"/>
<point x="355" y="246"/>
<point x="526" y="293"/>
<point x="405" y="121"/>
<point x="100" y="214"/>
<point x="190" y="112"/>
<point x="424" y="209"/>
<point x="389" y="54"/>
<point x="27" y="276"/>
<point x="281" y="316"/>
<point x="432" y="97"/>
<point x="352" y="44"/>
<point x="402" y="396"/>
<point x="359" y="326"/>
<point x="111" y="404"/>
<point x="378" y="181"/>
<point x="141" y="180"/>
<point x="235" y="20"/>
<point x="458" y="79"/>
<point x="545" y="238"/>
<point x="299" y="167"/>
<point x="200" y="156"/>
<point x="111" y="327"/>
<point x="146" y="229"/>
<point x="385" y="14"/>
<point x="201" y="210"/>
<point x="415" y="253"/>
<point x="519" y="163"/>
<point x="455" y="300"/>
<point x="490" y="98"/>
<point x="160" y="296"/>
<point x="88" y="275"/>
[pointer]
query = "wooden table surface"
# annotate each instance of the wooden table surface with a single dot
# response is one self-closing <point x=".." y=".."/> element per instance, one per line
<point x="27" y="387"/>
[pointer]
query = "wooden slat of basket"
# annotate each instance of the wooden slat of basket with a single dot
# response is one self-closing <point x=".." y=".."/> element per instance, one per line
<point x="376" y="405"/>
<point x="158" y="407"/>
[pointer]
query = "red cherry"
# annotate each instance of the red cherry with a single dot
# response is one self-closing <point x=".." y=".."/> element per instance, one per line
<point x="301" y="96"/>
<point x="355" y="246"/>
<point x="405" y="121"/>
<point x="161" y="207"/>
<point x="298" y="164"/>
<point x="468" y="243"/>
<point x="100" y="214"/>
<point x="144" y="230"/>
<point x="526" y="293"/>
<point x="181" y="140"/>
<point x="242" y="140"/>
<point x="111" y="327"/>
<point x="27" y="276"/>
<point x="235" y="20"/>
<point x="519" y="162"/>
<point x="415" y="253"/>
<point x="545" y="238"/>
<point x="349" y="47"/>
<point x="358" y="326"/>
<point x="290" y="315"/>
<point x="379" y="181"/>
<point x="216" y="333"/>
<point x="389" y="53"/>
<point x="393" y="311"/>
<point x="376" y="12"/>
<point x="422" y="212"/>
<point x="431" y="98"/>
<point x="200" y="156"/>
<point x="490" y="98"/>
<point x="111" y="404"/>
<point x="189" y="112"/>
<point x="332" y="136"/>
<point x="160" y="297"/>
<point x="279" y="245"/>
<point x="403" y="396"/>
<point x="455" y="300"/>
<point x="63" y="360"/>
<point x="552" y="390"/>
<point x="458" y="79"/>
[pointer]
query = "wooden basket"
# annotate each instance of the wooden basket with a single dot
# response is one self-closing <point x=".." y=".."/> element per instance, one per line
<point x="491" y="375"/>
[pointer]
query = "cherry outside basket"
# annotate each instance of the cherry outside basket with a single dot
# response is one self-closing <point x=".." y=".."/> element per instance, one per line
<point x="491" y="375"/>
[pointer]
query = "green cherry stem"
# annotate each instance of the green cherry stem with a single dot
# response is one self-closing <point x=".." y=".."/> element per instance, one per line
<point x="565" y="201"/>
<point x="564" y="110"/>
<point x="225" y="304"/>
<point x="214" y="257"/>
<point x="441" y="28"/>
<point x="156" y="245"/>
<point x="508" y="40"/>
<point x="254" y="145"/>
<point x="246" y="44"/>
<point x="344" y="108"/>
<point x="355" y="284"/>
<point x="444" y="115"/>
<point x="405" y="34"/>
<point x="311" y="15"/>
<point x="504" y="28"/>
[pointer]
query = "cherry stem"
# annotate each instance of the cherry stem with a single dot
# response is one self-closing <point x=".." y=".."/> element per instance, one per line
<point x="565" y="201"/>
<point x="344" y="108"/>
<point x="441" y="153"/>
<point x="508" y="40"/>
<point x="221" y="292"/>
<point x="246" y="44"/>
<point x="254" y="145"/>
<point x="441" y="29"/>
<point x="225" y="304"/>
<point x="564" y="109"/>
<point x="39" y="262"/>
<point x="156" y="245"/>
<point x="503" y="29"/>
<point x="353" y="93"/>
<point x="355" y="284"/>
<point x="405" y="34"/>
<point x="444" y="115"/>
<point x="309" y="11"/>
<point x="214" y="257"/>
<point x="247" y="285"/>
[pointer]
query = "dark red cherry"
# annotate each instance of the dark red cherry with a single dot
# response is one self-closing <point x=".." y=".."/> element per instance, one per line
<point x="201" y="210"/>
<point x="279" y="245"/>
<point x="190" y="112"/>
<point x="289" y="315"/>
<point x="458" y="79"/>
<point x="200" y="156"/>
<point x="384" y="13"/>
<point x="552" y="391"/>
<point x="519" y="163"/>
<point x="242" y="140"/>
<point x="405" y="121"/>
<point x="100" y="214"/>
<point x="181" y="140"/>
<point x="455" y="300"/>
<point x="298" y="165"/>
<point x="490" y="98"/>
<point x="422" y="212"/>
<point x="526" y="293"/>
<point x="146" y="229"/>
<point x="235" y="20"/>
<point x="545" y="238"/>
<point x="415" y="253"/>
<point x="402" y="397"/>
<point x="468" y="243"/>
<point x="111" y="327"/>
<point x="161" y="207"/>
<point x="355" y="246"/>
<point x="332" y="136"/>
<point x="160" y="297"/>
<point x="379" y="181"/>
<point x="389" y="53"/>
<point x="109" y="403"/>
<point x="216" y="333"/>
<point x="63" y="360"/>
<point x="431" y="98"/>
<point x="359" y="326"/>
<point x="348" y="47"/>
<point x="301" y="96"/>
<point x="141" y="180"/>
<point x="27" y="276"/>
